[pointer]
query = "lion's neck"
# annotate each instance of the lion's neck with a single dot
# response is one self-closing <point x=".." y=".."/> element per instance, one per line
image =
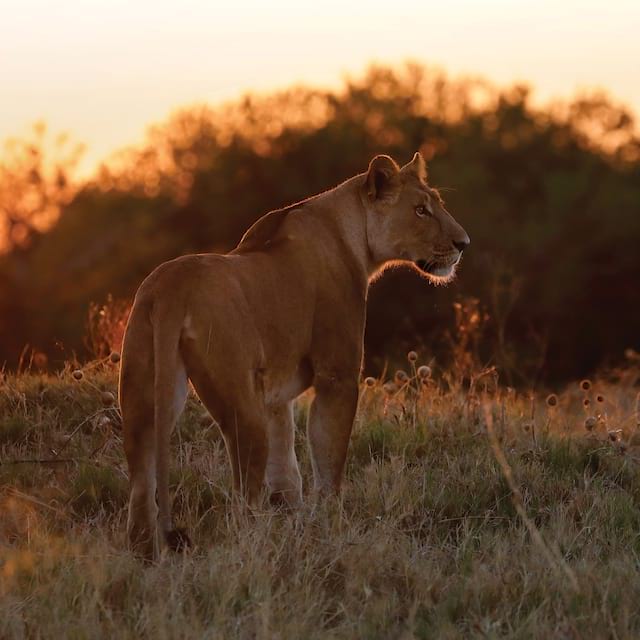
<point x="342" y="208"/>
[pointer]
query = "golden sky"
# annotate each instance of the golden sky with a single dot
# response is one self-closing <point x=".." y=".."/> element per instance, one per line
<point x="105" y="69"/>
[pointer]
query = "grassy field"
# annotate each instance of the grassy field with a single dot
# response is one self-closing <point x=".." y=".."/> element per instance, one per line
<point x="465" y="513"/>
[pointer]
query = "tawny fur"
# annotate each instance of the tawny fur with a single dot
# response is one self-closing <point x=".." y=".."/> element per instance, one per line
<point x="253" y="329"/>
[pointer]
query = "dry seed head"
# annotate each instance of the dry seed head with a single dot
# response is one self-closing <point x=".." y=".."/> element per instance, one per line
<point x="586" y="402"/>
<point x="114" y="357"/>
<point x="585" y="385"/>
<point x="424" y="371"/>
<point x="107" y="398"/>
<point x="401" y="376"/>
<point x="600" y="398"/>
<point x="613" y="436"/>
<point x="590" y="423"/>
<point x="77" y="374"/>
<point x="389" y="388"/>
<point x="412" y="356"/>
<point x="552" y="400"/>
<point x="527" y="426"/>
<point x="369" y="381"/>
<point x="104" y="422"/>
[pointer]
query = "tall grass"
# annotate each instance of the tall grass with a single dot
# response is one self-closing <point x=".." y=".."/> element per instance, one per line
<point x="425" y="541"/>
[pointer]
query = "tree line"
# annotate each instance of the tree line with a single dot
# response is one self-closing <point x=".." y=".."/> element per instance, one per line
<point x="550" y="198"/>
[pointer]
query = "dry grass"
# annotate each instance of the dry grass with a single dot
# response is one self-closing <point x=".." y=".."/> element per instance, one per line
<point x="426" y="540"/>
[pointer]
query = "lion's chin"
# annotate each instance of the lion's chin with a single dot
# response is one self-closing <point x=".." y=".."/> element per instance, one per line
<point x="436" y="272"/>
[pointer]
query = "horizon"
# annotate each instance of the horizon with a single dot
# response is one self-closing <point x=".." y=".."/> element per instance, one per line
<point x="127" y="78"/>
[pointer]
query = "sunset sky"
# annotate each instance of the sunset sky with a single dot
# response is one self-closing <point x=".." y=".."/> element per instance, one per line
<point x="104" y="70"/>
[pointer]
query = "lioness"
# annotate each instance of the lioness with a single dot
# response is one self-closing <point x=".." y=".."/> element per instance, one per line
<point x="285" y="310"/>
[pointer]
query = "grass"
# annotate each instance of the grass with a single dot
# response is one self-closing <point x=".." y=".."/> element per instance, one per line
<point x="425" y="541"/>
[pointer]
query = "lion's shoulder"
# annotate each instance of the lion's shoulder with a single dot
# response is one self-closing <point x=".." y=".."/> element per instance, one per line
<point x="267" y="231"/>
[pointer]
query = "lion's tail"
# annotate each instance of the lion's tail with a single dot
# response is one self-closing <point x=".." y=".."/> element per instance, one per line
<point x="170" y="388"/>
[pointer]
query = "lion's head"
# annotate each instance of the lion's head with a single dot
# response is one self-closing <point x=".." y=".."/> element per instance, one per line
<point x="407" y="221"/>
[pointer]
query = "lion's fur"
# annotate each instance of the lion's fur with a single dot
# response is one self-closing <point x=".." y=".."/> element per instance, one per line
<point x="252" y="329"/>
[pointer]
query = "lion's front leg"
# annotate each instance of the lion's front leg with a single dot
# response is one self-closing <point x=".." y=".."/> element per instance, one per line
<point x="283" y="475"/>
<point x="329" y="427"/>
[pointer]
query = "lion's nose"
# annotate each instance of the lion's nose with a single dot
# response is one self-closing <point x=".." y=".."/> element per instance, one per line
<point x="462" y="243"/>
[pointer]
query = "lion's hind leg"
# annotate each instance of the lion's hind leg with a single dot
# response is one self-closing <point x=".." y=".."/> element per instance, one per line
<point x="237" y="405"/>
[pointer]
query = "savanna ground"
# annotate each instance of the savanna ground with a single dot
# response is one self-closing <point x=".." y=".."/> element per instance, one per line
<point x="467" y="511"/>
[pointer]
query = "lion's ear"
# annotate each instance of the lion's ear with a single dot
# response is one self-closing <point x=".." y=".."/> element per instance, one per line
<point x="383" y="178"/>
<point x="417" y="166"/>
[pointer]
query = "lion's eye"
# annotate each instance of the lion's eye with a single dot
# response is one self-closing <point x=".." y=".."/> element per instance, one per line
<point x="422" y="211"/>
